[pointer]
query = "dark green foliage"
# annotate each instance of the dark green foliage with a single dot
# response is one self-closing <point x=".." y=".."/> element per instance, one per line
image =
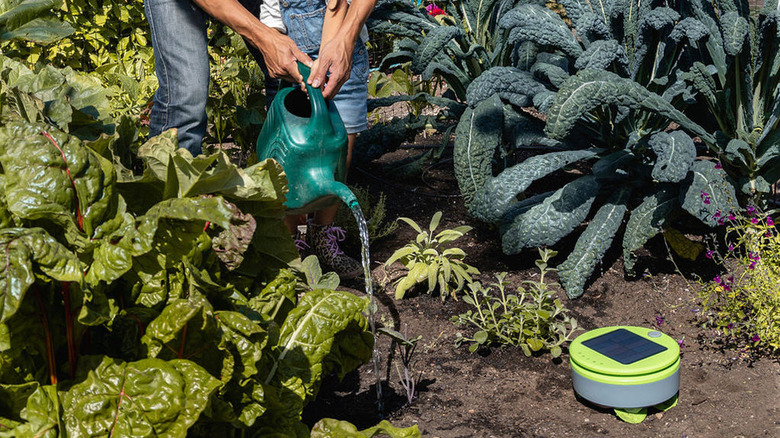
<point x="610" y="91"/>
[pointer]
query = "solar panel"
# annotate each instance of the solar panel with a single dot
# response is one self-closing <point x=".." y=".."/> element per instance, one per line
<point x="624" y="346"/>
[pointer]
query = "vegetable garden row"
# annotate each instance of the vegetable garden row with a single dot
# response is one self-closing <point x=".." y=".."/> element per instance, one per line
<point x="147" y="292"/>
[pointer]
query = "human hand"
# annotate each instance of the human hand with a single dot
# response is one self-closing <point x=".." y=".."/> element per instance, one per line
<point x="335" y="58"/>
<point x="281" y="55"/>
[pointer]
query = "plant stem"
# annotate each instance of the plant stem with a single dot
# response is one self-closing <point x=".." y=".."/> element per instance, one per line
<point x="49" y="345"/>
<point x="69" y="329"/>
<point x="180" y="355"/>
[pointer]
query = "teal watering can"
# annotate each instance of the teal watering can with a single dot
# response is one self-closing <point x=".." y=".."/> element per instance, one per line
<point x="306" y="136"/>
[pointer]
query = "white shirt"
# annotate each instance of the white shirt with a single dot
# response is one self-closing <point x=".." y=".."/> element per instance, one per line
<point x="271" y="15"/>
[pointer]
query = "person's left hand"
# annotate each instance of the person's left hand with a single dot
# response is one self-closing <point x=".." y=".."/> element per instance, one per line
<point x="335" y="59"/>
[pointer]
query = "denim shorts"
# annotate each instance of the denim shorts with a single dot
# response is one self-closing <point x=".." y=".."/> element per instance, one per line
<point x="303" y="19"/>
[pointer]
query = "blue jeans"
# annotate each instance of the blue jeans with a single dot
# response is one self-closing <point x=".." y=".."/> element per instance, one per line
<point x="181" y="59"/>
<point x="303" y="20"/>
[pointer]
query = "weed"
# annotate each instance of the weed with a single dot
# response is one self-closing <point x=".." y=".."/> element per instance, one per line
<point x="533" y="319"/>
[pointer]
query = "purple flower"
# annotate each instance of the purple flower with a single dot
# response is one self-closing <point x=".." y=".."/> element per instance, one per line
<point x="709" y="254"/>
<point x="752" y="265"/>
<point x="717" y="214"/>
<point x="754" y="256"/>
<point x="732" y="217"/>
<point x="705" y="197"/>
<point x="681" y="342"/>
<point x="434" y="10"/>
<point x="755" y="338"/>
<point x="754" y="220"/>
<point x="659" y="320"/>
<point x="769" y="221"/>
<point x="718" y="165"/>
<point x="731" y="247"/>
<point x="751" y="210"/>
<point x="716" y="279"/>
<point x="730" y="325"/>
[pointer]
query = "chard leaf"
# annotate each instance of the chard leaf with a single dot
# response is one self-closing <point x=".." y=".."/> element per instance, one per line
<point x="592" y="245"/>
<point x="554" y="218"/>
<point x="590" y="89"/>
<point x="124" y="399"/>
<point x="645" y="222"/>
<point x="708" y="190"/>
<point x="173" y="172"/>
<point x="478" y="134"/>
<point x="28" y="251"/>
<point x="330" y="428"/>
<point x="41" y="415"/>
<point x="509" y="83"/>
<point x="62" y="181"/>
<point x="675" y="153"/>
<point x="536" y="23"/>
<point x="313" y="342"/>
<point x="498" y="194"/>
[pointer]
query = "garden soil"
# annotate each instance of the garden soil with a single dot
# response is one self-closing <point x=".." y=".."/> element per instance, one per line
<point x="499" y="392"/>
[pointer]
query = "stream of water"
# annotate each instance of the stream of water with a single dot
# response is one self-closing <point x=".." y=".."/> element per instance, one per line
<point x="361" y="222"/>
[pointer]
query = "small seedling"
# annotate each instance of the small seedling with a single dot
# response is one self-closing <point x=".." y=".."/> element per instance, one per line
<point x="405" y="348"/>
<point x="429" y="258"/>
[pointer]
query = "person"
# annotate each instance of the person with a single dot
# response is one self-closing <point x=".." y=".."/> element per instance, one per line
<point x="328" y="37"/>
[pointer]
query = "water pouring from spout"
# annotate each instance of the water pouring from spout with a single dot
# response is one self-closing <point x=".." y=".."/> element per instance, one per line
<point x="305" y="134"/>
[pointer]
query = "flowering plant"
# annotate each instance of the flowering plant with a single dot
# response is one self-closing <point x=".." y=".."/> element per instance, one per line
<point x="743" y="304"/>
<point x="434" y="10"/>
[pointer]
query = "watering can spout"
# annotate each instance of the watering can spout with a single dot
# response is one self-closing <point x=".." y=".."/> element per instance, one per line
<point x="342" y="192"/>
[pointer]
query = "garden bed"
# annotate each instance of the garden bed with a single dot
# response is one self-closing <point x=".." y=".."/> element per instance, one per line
<point x="503" y="393"/>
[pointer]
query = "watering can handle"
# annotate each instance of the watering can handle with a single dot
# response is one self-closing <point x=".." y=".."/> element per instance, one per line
<point x="319" y="108"/>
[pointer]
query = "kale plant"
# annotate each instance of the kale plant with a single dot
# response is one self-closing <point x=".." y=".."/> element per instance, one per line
<point x="613" y="87"/>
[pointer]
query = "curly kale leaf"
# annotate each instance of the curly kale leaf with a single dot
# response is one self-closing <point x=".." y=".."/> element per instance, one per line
<point x="645" y="222"/>
<point x="432" y="45"/>
<point x="735" y="32"/>
<point x="478" y="134"/>
<point x="542" y="26"/>
<point x="493" y="199"/>
<point x="601" y="55"/>
<point x="512" y="84"/>
<point x="591" y="27"/>
<point x="590" y="89"/>
<point x="592" y="245"/>
<point x="708" y="192"/>
<point x="554" y="218"/>
<point x="550" y="73"/>
<point x="675" y="152"/>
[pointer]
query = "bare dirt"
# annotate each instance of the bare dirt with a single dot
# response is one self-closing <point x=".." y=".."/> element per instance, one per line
<point x="502" y="393"/>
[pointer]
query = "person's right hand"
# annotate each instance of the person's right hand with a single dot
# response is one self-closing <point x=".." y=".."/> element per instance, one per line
<point x="281" y="55"/>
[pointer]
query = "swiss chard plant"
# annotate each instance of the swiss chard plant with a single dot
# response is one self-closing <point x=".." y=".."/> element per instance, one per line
<point x="154" y="299"/>
<point x="613" y="86"/>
